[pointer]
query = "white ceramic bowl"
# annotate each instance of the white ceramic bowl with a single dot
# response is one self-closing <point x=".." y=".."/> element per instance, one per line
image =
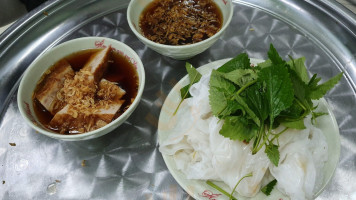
<point x="42" y="63"/>
<point x="180" y="52"/>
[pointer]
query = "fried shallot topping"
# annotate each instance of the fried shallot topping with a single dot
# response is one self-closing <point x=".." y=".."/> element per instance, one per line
<point x="180" y="22"/>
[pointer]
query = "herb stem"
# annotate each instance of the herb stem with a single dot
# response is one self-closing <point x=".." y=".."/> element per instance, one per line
<point x="300" y="104"/>
<point x="263" y="143"/>
<point x="267" y="136"/>
<point x="256" y="144"/>
<point x="246" y="86"/>
<point x="280" y="133"/>
<point x="247" y="175"/>
<point x="219" y="189"/>
<point x="175" y="112"/>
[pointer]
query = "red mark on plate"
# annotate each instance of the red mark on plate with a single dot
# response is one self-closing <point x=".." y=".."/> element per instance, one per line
<point x="224" y="1"/>
<point x="210" y="195"/>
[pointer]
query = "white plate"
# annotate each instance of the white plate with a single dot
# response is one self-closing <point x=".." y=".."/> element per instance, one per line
<point x="199" y="189"/>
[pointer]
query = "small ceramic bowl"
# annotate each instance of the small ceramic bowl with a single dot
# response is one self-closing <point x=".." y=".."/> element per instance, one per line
<point x="35" y="71"/>
<point x="180" y="52"/>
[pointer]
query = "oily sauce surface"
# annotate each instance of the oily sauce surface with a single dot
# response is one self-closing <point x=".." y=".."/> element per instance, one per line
<point x="180" y="22"/>
<point x="119" y="70"/>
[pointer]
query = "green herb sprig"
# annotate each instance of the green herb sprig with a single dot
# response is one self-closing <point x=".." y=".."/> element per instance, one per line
<point x="194" y="77"/>
<point x="252" y="101"/>
<point x="233" y="190"/>
<point x="273" y="93"/>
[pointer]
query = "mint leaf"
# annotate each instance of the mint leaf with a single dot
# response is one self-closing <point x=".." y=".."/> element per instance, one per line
<point x="294" y="112"/>
<point x="256" y="101"/>
<point x="184" y="92"/>
<point x="279" y="92"/>
<point x="318" y="91"/>
<point x="274" y="56"/>
<point x="264" y="64"/>
<point x="302" y="104"/>
<point x="300" y="89"/>
<point x="240" y="76"/>
<point x="221" y="95"/>
<point x="241" y="61"/>
<point x="238" y="128"/>
<point x="272" y="153"/>
<point x="299" y="124"/>
<point x="302" y="99"/>
<point x="247" y="109"/>
<point x="267" y="189"/>
<point x="222" y="103"/>
<point x="218" y="81"/>
<point x="194" y="77"/>
<point x="298" y="66"/>
<point x="313" y="82"/>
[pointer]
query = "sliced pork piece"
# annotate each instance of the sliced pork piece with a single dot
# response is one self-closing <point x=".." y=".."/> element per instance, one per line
<point x="47" y="94"/>
<point x="81" y="117"/>
<point x="107" y="113"/>
<point x="70" y="120"/>
<point x="98" y="63"/>
<point x="79" y="90"/>
<point x="83" y="87"/>
<point x="109" y="91"/>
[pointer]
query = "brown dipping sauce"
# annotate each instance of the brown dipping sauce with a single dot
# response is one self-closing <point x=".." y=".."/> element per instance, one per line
<point x="120" y="70"/>
<point x="180" y="22"/>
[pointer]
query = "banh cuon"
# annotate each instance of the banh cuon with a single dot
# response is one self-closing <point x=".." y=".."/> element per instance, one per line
<point x="254" y="127"/>
<point x="85" y="91"/>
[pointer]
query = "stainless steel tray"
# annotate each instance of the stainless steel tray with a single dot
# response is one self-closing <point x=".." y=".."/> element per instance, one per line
<point x="126" y="163"/>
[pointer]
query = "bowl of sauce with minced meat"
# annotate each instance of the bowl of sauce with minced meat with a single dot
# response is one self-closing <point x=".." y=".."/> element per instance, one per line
<point x="179" y="29"/>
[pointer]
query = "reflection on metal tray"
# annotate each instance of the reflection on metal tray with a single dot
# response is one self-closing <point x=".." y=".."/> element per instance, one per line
<point x="126" y="163"/>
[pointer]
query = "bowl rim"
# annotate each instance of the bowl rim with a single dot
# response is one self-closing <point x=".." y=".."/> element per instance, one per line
<point x="86" y="135"/>
<point x="158" y="45"/>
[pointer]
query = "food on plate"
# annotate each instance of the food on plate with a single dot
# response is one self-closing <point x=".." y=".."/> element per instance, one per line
<point x="240" y="119"/>
<point x="182" y="22"/>
<point x="85" y="91"/>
